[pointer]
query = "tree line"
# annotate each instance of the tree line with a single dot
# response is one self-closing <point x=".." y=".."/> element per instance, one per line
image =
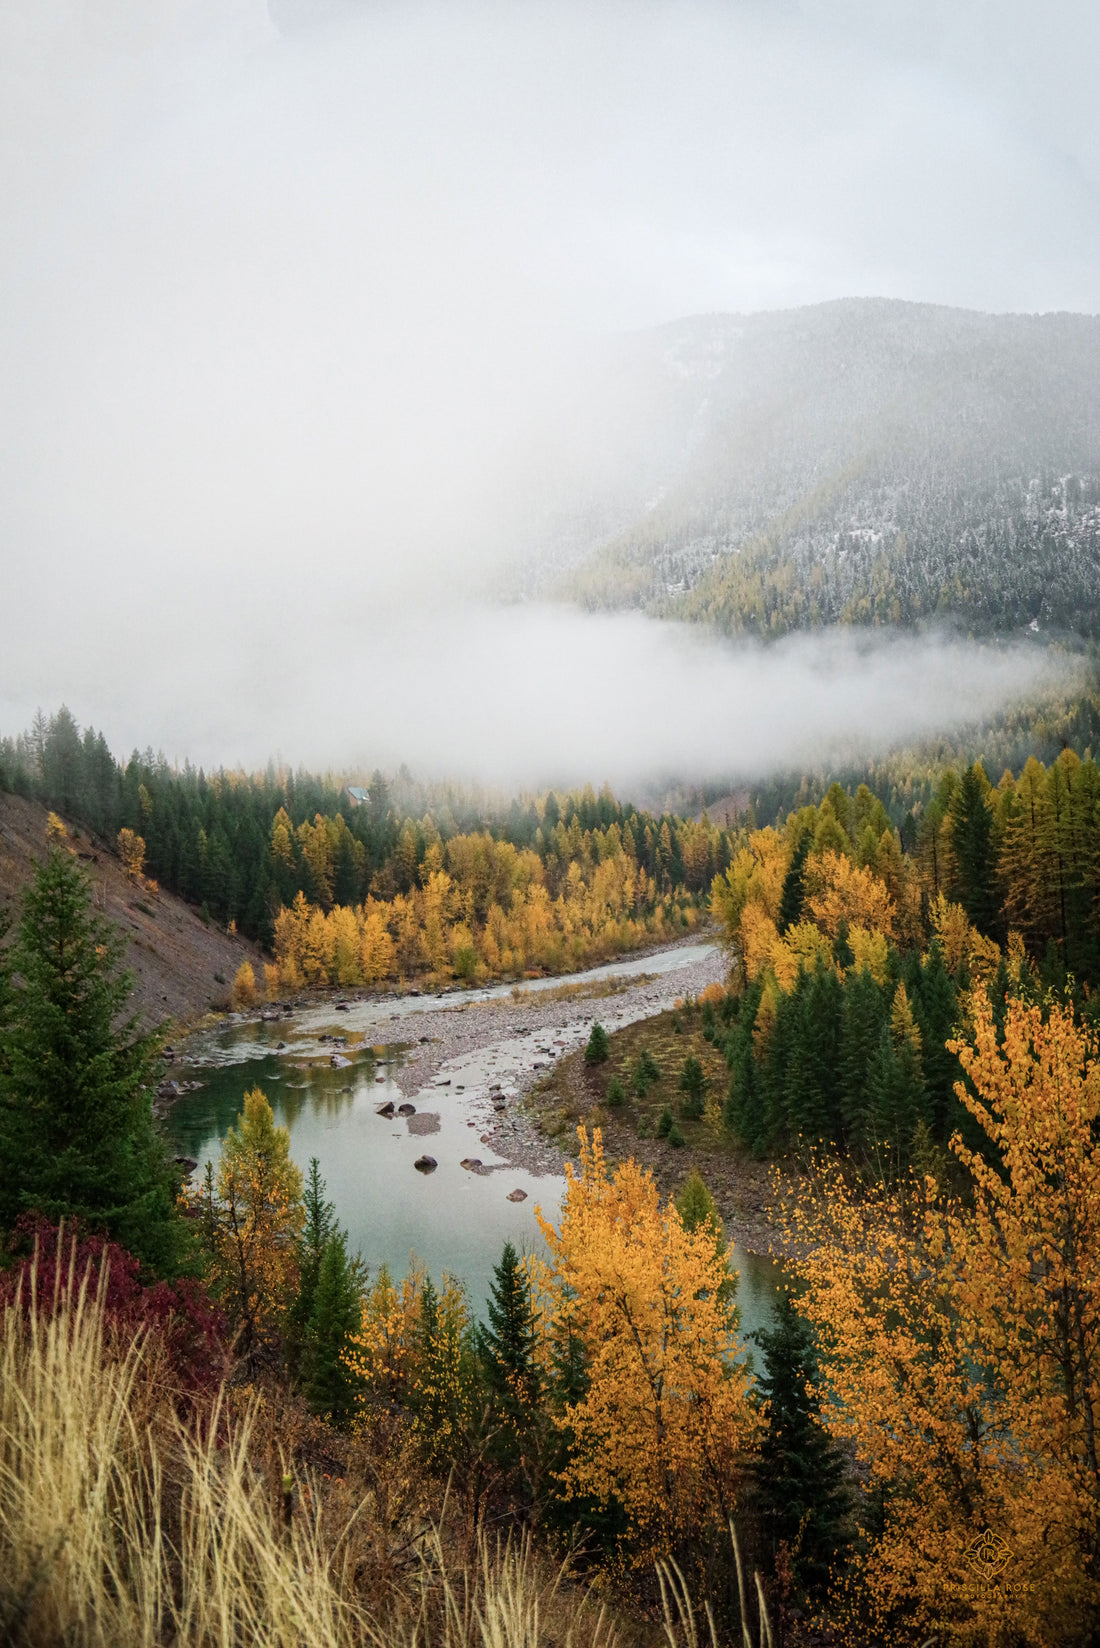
<point x="858" y="962"/>
<point x="241" y="847"/>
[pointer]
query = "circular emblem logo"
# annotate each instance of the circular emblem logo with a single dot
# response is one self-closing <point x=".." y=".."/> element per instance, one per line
<point x="987" y="1554"/>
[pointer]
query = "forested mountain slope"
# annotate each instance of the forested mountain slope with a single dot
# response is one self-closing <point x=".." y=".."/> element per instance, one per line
<point x="182" y="965"/>
<point x="864" y="461"/>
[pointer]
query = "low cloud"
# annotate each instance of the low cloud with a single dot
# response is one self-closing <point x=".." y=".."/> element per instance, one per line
<point x="534" y="695"/>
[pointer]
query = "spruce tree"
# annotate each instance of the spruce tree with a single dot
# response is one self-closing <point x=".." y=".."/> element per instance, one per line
<point x="330" y="1384"/>
<point x="975" y="850"/>
<point x="801" y="1489"/>
<point x="320" y="1224"/>
<point x="693" y="1085"/>
<point x="77" y="1138"/>
<point x="506" y="1345"/>
<point x="794" y="884"/>
<point x="597" y="1048"/>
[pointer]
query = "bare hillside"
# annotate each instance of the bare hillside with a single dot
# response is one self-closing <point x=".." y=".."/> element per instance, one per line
<point x="182" y="967"/>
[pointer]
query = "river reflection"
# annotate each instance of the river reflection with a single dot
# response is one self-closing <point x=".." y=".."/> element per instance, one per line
<point x="327" y="1094"/>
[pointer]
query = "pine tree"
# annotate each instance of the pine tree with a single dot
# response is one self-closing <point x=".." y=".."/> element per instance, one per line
<point x="597" y="1048"/>
<point x="800" y="1478"/>
<point x="975" y="850"/>
<point x="794" y="884"/>
<point x="506" y="1346"/>
<point x="693" y="1085"/>
<point x="77" y="1138"/>
<point x="319" y="1228"/>
<point x="330" y="1384"/>
<point x="935" y="1010"/>
<point x="863" y="1021"/>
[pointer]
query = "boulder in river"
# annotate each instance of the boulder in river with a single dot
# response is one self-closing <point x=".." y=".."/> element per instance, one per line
<point x="425" y="1164"/>
<point x="406" y="1110"/>
<point x="517" y="1195"/>
<point x="186" y="1164"/>
<point x="339" y="1062"/>
<point x="471" y="1163"/>
<point x="385" y="1109"/>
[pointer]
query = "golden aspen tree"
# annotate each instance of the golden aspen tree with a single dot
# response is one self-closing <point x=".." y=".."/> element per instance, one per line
<point x="666" y="1422"/>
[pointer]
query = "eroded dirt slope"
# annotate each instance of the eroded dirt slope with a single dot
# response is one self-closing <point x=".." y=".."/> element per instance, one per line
<point x="175" y="957"/>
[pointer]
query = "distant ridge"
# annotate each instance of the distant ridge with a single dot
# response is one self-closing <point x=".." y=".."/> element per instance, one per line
<point x="866" y="460"/>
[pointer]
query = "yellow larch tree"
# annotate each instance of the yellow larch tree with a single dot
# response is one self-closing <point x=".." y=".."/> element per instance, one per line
<point x="251" y="1210"/>
<point x="961" y="1342"/>
<point x="666" y="1423"/>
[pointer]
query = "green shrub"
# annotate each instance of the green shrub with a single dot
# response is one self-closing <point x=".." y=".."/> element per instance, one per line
<point x="615" y="1093"/>
<point x="665" y="1124"/>
<point x="675" y="1137"/>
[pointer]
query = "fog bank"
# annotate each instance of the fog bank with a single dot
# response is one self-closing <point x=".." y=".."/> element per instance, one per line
<point x="534" y="695"/>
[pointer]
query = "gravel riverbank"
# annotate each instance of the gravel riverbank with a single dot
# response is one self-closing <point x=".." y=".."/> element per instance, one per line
<point x="494" y="1051"/>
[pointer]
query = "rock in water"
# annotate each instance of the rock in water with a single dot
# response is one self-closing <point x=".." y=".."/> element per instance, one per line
<point x="517" y="1195"/>
<point x="384" y="1110"/>
<point x="425" y="1164"/>
<point x="406" y="1110"/>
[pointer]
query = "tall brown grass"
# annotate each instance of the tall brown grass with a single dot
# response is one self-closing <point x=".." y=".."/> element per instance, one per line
<point x="122" y="1523"/>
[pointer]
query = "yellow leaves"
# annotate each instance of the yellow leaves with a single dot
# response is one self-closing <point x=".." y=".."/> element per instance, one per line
<point x="903" y="1026"/>
<point x="666" y="1420"/>
<point x="755" y="877"/>
<point x="960" y="942"/>
<point x="870" y="952"/>
<point x="244" y="986"/>
<point x="486" y="910"/>
<point x="249" y="1229"/>
<point x="839" y="891"/>
<point x="964" y="1339"/>
<point x="131" y="850"/>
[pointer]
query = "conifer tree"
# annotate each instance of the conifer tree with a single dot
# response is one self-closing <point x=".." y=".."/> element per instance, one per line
<point x="794" y="884"/>
<point x="597" y="1049"/>
<point x="77" y="1138"/>
<point x="330" y="1384"/>
<point x="975" y="850"/>
<point x="506" y="1346"/>
<point x="693" y="1085"/>
<point x="801" y="1489"/>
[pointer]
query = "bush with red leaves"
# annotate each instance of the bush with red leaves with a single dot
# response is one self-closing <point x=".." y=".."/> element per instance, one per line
<point x="180" y="1314"/>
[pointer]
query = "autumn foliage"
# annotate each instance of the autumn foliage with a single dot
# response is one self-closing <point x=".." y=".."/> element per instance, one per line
<point x="963" y="1341"/>
<point x="484" y="909"/>
<point x="664" y="1425"/>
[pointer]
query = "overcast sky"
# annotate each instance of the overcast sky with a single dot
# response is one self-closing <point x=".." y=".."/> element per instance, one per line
<point x="283" y="291"/>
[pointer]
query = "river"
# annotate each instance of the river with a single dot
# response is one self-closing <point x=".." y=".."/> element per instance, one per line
<point x="461" y="1060"/>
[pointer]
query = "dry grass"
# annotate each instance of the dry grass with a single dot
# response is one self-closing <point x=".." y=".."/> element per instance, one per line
<point x="121" y="1523"/>
<point x="592" y="990"/>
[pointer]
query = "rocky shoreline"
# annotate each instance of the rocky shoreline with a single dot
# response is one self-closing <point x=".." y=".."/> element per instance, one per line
<point x="500" y="1049"/>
